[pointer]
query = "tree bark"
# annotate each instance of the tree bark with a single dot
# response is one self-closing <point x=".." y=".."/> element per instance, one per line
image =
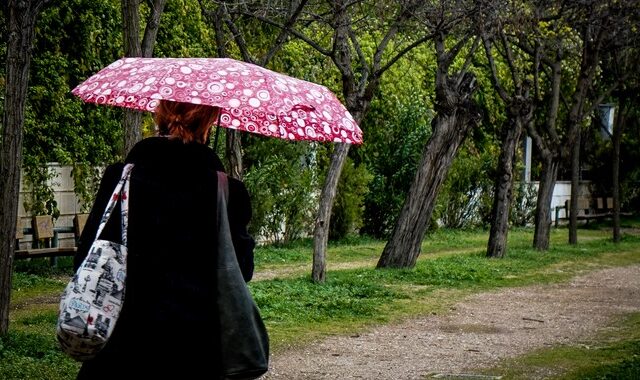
<point x="21" y="19"/>
<point x="543" y="204"/>
<point x="503" y="189"/>
<point x="133" y="47"/>
<point x="234" y="154"/>
<point x="403" y="248"/>
<point x="342" y="59"/>
<point x="548" y="143"/>
<point x="519" y="106"/>
<point x="323" y="217"/>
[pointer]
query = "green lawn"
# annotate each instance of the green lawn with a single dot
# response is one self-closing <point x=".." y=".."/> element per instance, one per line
<point x="355" y="295"/>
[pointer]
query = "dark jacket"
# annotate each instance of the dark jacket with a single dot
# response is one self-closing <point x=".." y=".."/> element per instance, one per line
<point x="168" y="325"/>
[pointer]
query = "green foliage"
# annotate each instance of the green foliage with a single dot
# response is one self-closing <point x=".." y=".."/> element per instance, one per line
<point x="524" y="204"/>
<point x="42" y="266"/>
<point x="40" y="199"/>
<point x="72" y="41"/>
<point x="301" y="61"/>
<point x="346" y="217"/>
<point x="397" y="130"/>
<point x="465" y="198"/>
<point x="625" y="363"/>
<point x="23" y="279"/>
<point x="282" y="182"/>
<point x="305" y="302"/>
<point x="183" y="32"/>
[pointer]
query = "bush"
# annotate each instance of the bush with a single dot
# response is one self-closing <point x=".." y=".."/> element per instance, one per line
<point x="394" y="142"/>
<point x="283" y="185"/>
<point x="348" y="207"/>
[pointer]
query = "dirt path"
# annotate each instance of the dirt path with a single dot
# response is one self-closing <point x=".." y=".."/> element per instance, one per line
<point x="477" y="332"/>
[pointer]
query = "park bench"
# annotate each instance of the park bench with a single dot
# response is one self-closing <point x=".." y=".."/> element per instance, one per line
<point x="586" y="210"/>
<point x="45" y="238"/>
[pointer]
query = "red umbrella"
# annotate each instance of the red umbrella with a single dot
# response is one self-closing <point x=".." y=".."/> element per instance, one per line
<point x="251" y="97"/>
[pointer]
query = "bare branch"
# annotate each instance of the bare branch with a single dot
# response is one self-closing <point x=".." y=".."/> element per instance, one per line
<point x="294" y="32"/>
<point x="284" y="32"/>
<point x="506" y="43"/>
<point x="495" y="79"/>
<point x="468" y="60"/>
<point x="151" y="29"/>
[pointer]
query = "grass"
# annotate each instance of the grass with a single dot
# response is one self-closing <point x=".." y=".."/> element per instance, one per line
<point x="613" y="354"/>
<point x="355" y="296"/>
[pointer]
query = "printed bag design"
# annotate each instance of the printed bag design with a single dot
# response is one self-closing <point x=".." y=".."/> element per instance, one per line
<point x="91" y="302"/>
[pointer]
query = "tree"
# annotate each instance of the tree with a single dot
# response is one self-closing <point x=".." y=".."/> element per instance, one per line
<point x="133" y="47"/>
<point x="519" y="105"/>
<point x="229" y="15"/>
<point x="597" y="22"/>
<point x="343" y="31"/>
<point x="542" y="38"/>
<point x="556" y="30"/>
<point x="21" y="19"/>
<point x="456" y="114"/>
<point x="620" y="65"/>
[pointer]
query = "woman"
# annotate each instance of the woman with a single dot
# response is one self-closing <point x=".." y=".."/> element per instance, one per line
<point x="168" y="328"/>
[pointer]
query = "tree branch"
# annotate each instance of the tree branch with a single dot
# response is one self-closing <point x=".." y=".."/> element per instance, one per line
<point x="494" y="72"/>
<point x="284" y="33"/>
<point x="294" y="32"/>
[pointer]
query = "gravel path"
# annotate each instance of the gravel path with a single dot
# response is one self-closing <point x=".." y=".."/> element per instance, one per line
<point x="476" y="333"/>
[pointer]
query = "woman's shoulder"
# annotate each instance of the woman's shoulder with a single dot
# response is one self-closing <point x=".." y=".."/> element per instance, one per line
<point x="163" y="151"/>
<point x="146" y="147"/>
<point x="112" y="172"/>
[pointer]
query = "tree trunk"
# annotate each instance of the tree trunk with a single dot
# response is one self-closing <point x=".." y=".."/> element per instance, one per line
<point x="456" y="114"/>
<point x="543" y="205"/>
<point x="403" y="248"/>
<point x="234" y="154"/>
<point x="615" y="170"/>
<point x="151" y="30"/>
<point x="575" y="189"/>
<point x="549" y="146"/>
<point x="233" y="151"/>
<point x="21" y="18"/>
<point x="133" y="47"/>
<point x="132" y="129"/>
<point x="356" y="103"/>
<point x="321" y="229"/>
<point x="503" y="189"/>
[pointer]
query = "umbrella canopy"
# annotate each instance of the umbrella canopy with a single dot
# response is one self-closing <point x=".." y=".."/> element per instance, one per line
<point x="251" y="98"/>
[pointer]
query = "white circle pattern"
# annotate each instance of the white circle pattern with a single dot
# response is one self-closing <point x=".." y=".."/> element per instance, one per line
<point x="252" y="98"/>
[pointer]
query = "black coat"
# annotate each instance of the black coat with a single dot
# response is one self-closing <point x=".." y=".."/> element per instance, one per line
<point x="168" y="326"/>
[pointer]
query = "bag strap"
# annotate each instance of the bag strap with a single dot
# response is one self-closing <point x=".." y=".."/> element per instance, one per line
<point x="120" y="193"/>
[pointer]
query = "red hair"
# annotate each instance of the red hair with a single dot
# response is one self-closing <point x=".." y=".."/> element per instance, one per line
<point x="185" y="121"/>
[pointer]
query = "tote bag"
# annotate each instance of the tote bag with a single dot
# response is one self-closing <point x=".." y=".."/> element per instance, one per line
<point x="244" y="339"/>
<point x="92" y="300"/>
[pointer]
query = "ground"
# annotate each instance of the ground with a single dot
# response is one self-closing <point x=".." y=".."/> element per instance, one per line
<point x="475" y="333"/>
